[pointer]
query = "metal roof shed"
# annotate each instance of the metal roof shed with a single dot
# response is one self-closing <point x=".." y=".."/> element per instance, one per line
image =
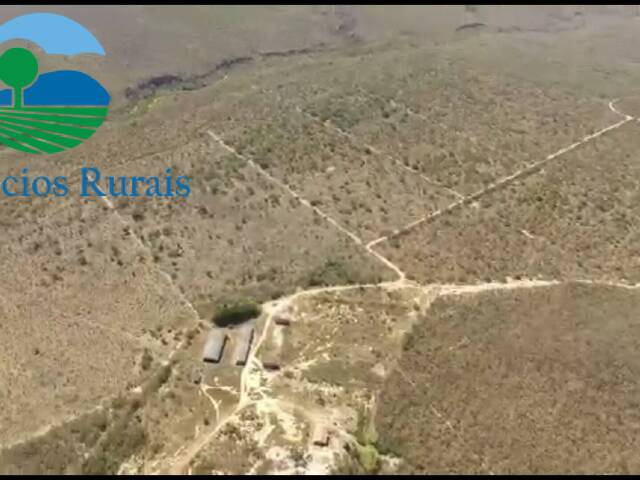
<point x="244" y="337"/>
<point x="214" y="347"/>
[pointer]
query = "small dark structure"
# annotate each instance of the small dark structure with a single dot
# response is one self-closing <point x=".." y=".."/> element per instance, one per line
<point x="214" y="347"/>
<point x="196" y="376"/>
<point x="320" y="436"/>
<point x="283" y="320"/>
<point x="271" y="364"/>
<point x="470" y="26"/>
<point x="244" y="338"/>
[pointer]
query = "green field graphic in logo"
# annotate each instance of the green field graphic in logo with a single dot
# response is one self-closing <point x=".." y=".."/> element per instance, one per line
<point x="45" y="113"/>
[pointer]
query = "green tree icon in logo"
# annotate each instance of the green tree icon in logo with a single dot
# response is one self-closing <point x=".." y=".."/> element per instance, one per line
<point x="18" y="69"/>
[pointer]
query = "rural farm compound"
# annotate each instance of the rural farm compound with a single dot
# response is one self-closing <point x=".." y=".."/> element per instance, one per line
<point x="241" y="339"/>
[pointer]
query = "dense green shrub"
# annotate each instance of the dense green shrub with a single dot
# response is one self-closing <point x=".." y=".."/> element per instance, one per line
<point x="236" y="313"/>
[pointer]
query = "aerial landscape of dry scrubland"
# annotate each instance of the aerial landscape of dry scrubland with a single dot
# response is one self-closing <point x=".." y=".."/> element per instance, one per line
<point x="412" y="245"/>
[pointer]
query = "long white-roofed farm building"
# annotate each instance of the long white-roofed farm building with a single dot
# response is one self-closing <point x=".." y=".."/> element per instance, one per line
<point x="243" y="339"/>
<point x="214" y="347"/>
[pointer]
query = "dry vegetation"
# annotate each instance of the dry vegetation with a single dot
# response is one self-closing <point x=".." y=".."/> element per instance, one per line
<point x="272" y="244"/>
<point x="341" y="337"/>
<point x="468" y="128"/>
<point x="374" y="136"/>
<point x="364" y="192"/>
<point x="499" y="390"/>
<point x="232" y="452"/>
<point x="83" y="301"/>
<point x="576" y="219"/>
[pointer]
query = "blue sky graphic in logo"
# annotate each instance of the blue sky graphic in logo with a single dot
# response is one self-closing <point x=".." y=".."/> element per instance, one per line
<point x="53" y="111"/>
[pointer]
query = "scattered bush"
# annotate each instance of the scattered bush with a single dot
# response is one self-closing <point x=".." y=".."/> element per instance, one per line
<point x="333" y="272"/>
<point x="147" y="360"/>
<point x="368" y="458"/>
